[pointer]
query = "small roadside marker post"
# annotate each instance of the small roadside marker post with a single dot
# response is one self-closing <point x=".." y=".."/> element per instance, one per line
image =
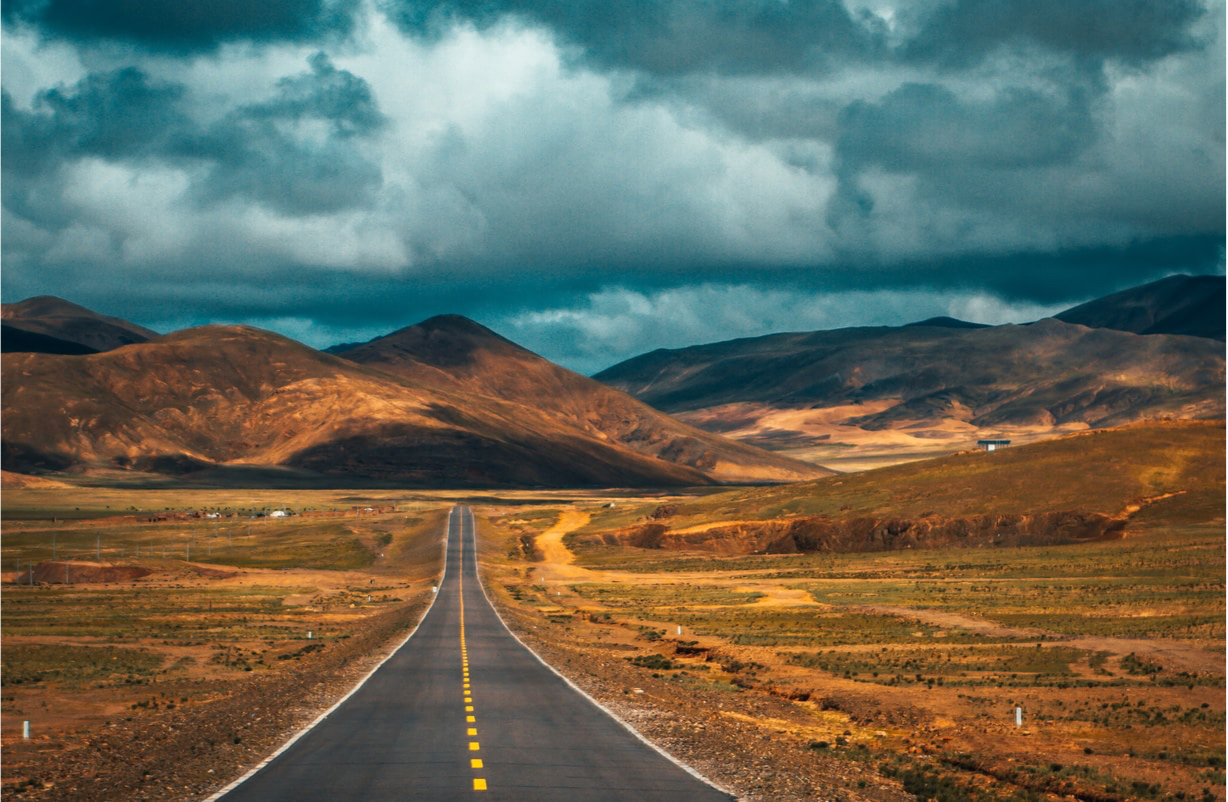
<point x="25" y="730"/>
<point x="1018" y="716"/>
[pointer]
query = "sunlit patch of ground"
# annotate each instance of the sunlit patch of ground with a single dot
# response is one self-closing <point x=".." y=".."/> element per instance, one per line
<point x="888" y="672"/>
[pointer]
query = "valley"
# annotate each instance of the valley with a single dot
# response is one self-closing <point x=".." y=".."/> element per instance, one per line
<point x="781" y="560"/>
<point x="868" y="674"/>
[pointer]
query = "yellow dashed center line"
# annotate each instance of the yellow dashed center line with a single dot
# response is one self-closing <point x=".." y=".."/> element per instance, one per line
<point x="479" y="784"/>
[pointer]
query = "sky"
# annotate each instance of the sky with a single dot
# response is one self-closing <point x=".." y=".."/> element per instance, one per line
<point x="595" y="180"/>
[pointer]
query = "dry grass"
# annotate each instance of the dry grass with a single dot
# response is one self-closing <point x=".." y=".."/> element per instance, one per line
<point x="913" y="662"/>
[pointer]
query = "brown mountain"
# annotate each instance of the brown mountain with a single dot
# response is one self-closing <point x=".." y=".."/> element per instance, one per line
<point x="64" y="321"/>
<point x="1191" y="305"/>
<point x="17" y="340"/>
<point x="877" y="394"/>
<point x="462" y="356"/>
<point x="218" y="402"/>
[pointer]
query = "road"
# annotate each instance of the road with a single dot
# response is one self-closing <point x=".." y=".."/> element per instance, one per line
<point x="464" y="711"/>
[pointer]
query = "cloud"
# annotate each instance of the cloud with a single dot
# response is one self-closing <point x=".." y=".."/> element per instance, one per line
<point x="673" y="38"/>
<point x="184" y="25"/>
<point x="1128" y="31"/>
<point x="297" y="151"/>
<point x="113" y="115"/>
<point x="581" y="173"/>
<point x="294" y="152"/>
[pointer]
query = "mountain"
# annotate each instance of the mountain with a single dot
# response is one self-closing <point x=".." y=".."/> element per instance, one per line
<point x="457" y="354"/>
<point x="862" y="396"/>
<point x="223" y="403"/>
<point x="62" y="320"/>
<point x="948" y="323"/>
<point x="1192" y="305"/>
<point x="15" y="340"/>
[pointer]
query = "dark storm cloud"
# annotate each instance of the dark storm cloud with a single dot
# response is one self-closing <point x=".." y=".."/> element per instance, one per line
<point x="959" y="149"/>
<point x="113" y="115"/>
<point x="669" y="39"/>
<point x="256" y="151"/>
<point x="184" y="25"/>
<point x="598" y="179"/>
<point x="337" y="97"/>
<point x="255" y="154"/>
<point x="674" y="38"/>
<point x="121" y="115"/>
<point x="928" y="127"/>
<point x="1129" y="31"/>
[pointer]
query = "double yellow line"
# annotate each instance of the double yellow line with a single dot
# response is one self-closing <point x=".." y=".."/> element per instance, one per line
<point x="479" y="783"/>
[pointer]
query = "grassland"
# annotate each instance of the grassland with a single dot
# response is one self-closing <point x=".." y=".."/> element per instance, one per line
<point x="1103" y="471"/>
<point x="885" y="675"/>
<point x="904" y="669"/>
<point x="124" y="608"/>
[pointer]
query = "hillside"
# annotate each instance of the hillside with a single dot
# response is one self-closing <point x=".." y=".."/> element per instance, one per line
<point x="18" y="340"/>
<point x="460" y="355"/>
<point x="926" y="390"/>
<point x="1192" y="305"/>
<point x="222" y="397"/>
<point x="64" y="321"/>
<point x="1099" y="485"/>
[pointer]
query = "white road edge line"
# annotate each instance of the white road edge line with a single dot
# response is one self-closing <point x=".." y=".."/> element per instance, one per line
<point x="294" y="739"/>
<point x="474" y="534"/>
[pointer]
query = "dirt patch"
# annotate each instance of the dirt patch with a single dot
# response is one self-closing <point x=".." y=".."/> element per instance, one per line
<point x="79" y="573"/>
<point x="555" y="553"/>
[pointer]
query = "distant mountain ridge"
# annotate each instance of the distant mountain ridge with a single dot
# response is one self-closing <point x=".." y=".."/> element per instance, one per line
<point x="1192" y="305"/>
<point x="61" y="320"/>
<point x="18" y="340"/>
<point x="939" y="385"/>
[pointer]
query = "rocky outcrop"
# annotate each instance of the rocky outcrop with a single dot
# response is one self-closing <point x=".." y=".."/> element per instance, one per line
<point x="862" y="534"/>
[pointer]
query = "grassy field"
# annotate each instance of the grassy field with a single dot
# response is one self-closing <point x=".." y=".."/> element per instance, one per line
<point x="1102" y="471"/>
<point x="891" y="674"/>
<point x="121" y="606"/>
<point x="912" y="663"/>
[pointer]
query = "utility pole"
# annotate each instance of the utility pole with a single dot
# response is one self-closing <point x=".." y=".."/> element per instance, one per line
<point x="98" y="547"/>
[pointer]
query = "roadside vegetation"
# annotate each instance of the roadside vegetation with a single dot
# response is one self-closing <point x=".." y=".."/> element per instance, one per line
<point x="154" y="626"/>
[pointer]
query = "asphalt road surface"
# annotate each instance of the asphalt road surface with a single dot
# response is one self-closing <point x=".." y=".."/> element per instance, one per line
<point x="464" y="711"/>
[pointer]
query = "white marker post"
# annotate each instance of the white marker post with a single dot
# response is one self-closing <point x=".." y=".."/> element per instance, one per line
<point x="1018" y="716"/>
<point x="25" y="730"/>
